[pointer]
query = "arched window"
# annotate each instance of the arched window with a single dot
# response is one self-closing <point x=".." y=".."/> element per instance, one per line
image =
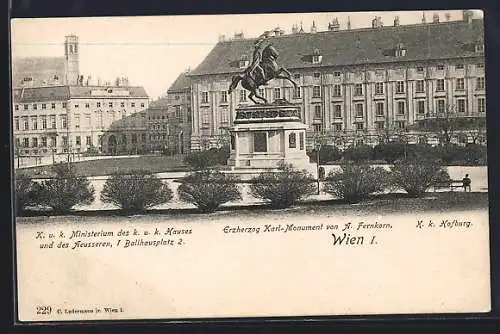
<point x="292" y="140"/>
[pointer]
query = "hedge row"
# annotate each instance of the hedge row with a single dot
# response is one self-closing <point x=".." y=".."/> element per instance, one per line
<point x="470" y="154"/>
<point x="138" y="190"/>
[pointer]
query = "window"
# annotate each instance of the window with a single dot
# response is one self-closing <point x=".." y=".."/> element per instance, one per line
<point x="64" y="104"/>
<point x="142" y="105"/>
<point x="260" y="141"/>
<point x="110" y="104"/>
<point x="65" y="141"/>
<point x="88" y="140"/>
<point x="317" y="111"/>
<point x="337" y="90"/>
<point x="380" y="109"/>
<point x="316" y="59"/>
<point x="420" y="69"/>
<point x="132" y="104"/>
<point x="459" y="66"/>
<point x="359" y="126"/>
<point x="25" y="107"/>
<point x="243" y="96"/>
<point x="16" y="123"/>
<point x="77" y="122"/>
<point x="440" y="67"/>
<point x="400" y="87"/>
<point x="358" y="107"/>
<point x="78" y="140"/>
<point x="358" y="89"/>
<point x="379" y="88"/>
<point x="35" y="142"/>
<point x="87" y="105"/>
<point x="99" y="104"/>
<point x="338" y="126"/>
<point x="440" y="106"/>
<point x="421" y="107"/>
<point x="292" y="140"/>
<point x="480" y="66"/>
<point x="16" y="107"/>
<point x="316" y="91"/>
<point x="401" y="107"/>
<point x="262" y="92"/>
<point x="25" y="123"/>
<point x="35" y="106"/>
<point x="205" y="118"/>
<point x="380" y="125"/>
<point x="53" y="121"/>
<point x="440" y="85"/>
<point x="18" y="142"/>
<point x="204" y="97"/>
<point x="53" y="105"/>
<point x="223" y="96"/>
<point x="460" y="84"/>
<point x="461" y="105"/>
<point x="296" y="76"/>
<point x="337" y="112"/>
<point x="301" y="140"/>
<point x="225" y="116"/>
<point x="296" y="93"/>
<point x="44" y="142"/>
<point x="481" y="104"/>
<point x="87" y="122"/>
<point x="64" y="123"/>
<point x="122" y="104"/>
<point x="317" y="127"/>
<point x="336" y="74"/>
<point x="26" y="142"/>
<point x="77" y="106"/>
<point x="419" y="86"/>
<point x="400" y="124"/>
<point x="480" y="83"/>
<point x="44" y="106"/>
<point x="34" y="123"/>
<point x="317" y="75"/>
<point x="277" y="93"/>
<point x="143" y="137"/>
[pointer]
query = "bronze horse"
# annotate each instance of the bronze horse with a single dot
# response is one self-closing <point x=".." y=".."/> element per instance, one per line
<point x="252" y="81"/>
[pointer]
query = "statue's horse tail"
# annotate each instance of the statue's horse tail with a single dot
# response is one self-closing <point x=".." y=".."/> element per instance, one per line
<point x="234" y="83"/>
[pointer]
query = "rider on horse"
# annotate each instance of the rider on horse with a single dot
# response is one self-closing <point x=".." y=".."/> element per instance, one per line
<point x="256" y="59"/>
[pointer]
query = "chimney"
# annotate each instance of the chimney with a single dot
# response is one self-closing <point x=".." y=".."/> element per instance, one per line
<point x="222" y="38"/>
<point x="435" y="18"/>
<point x="423" y="17"/>
<point x="377" y="22"/>
<point x="313" y="28"/>
<point x="295" y="29"/>
<point x="396" y="21"/>
<point x="348" y="23"/>
<point x="447" y="16"/>
<point x="467" y="16"/>
<point x="239" y="35"/>
<point x="334" y="25"/>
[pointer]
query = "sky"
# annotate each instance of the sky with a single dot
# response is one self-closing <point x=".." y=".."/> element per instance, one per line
<point x="153" y="50"/>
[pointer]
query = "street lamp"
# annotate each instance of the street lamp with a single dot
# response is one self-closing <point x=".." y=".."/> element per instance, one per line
<point x="317" y="147"/>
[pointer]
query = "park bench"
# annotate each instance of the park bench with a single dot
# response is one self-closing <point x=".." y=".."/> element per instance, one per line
<point x="452" y="184"/>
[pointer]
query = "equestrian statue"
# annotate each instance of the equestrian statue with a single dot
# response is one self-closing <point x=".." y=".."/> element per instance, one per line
<point x="262" y="69"/>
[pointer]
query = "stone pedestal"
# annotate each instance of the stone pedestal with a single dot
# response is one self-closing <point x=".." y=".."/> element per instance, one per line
<point x="265" y="135"/>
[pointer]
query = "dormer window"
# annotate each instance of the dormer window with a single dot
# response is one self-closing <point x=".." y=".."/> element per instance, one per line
<point x="244" y="62"/>
<point x="400" y="50"/>
<point x="316" y="57"/>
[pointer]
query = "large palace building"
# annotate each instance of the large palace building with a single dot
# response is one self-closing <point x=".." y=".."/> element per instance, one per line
<point x="57" y="111"/>
<point x="353" y="82"/>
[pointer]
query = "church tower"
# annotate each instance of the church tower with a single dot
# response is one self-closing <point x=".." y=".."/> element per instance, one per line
<point x="71" y="58"/>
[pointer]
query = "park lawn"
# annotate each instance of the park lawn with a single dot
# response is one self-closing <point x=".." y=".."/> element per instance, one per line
<point x="452" y="202"/>
<point x="152" y="163"/>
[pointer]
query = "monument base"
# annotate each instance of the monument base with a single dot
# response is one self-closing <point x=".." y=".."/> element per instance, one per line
<point x="265" y="136"/>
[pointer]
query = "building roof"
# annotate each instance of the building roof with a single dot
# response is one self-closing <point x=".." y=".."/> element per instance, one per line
<point x="40" y="69"/>
<point x="429" y="41"/>
<point x="181" y="84"/>
<point x="160" y="103"/>
<point x="61" y="93"/>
